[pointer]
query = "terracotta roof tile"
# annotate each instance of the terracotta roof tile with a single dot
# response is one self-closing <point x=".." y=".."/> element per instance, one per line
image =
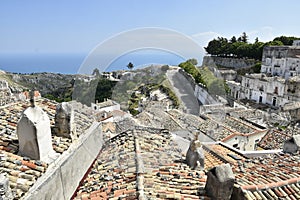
<point x="21" y="171"/>
<point x="142" y="160"/>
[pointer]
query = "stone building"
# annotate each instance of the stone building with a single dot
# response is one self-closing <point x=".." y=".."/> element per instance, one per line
<point x="108" y="105"/>
<point x="281" y="61"/>
<point x="274" y="91"/>
<point x="278" y="82"/>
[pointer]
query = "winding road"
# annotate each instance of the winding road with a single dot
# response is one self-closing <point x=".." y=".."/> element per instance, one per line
<point x="184" y="91"/>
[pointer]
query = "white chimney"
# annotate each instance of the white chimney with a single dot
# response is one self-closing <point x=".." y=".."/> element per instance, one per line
<point x="34" y="135"/>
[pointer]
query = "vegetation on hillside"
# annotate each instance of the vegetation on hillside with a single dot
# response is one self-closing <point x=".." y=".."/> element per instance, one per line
<point x="144" y="91"/>
<point x="97" y="89"/>
<point x="192" y="70"/>
<point x="214" y="85"/>
<point x="241" y="48"/>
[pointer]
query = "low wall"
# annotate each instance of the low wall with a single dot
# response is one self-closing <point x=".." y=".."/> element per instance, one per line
<point x="203" y="96"/>
<point x="199" y="91"/>
<point x="64" y="175"/>
<point x="189" y="77"/>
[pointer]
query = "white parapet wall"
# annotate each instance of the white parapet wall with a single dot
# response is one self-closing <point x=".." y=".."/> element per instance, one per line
<point x="64" y="175"/>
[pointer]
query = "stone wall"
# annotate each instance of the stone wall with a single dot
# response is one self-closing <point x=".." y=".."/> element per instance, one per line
<point x="63" y="176"/>
<point x="189" y="78"/>
<point x="200" y="91"/>
<point x="203" y="96"/>
<point x="227" y="62"/>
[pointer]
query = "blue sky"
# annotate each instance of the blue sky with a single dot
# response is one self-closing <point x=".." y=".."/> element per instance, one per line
<point x="73" y="26"/>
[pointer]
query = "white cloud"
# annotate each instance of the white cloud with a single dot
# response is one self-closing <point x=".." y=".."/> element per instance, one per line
<point x="264" y="34"/>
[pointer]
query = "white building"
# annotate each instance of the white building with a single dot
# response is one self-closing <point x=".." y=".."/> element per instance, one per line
<point x="274" y="91"/>
<point x="281" y="61"/>
<point x="107" y="106"/>
<point x="278" y="82"/>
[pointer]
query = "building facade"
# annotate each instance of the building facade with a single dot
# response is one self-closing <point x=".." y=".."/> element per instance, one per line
<point x="278" y="82"/>
<point x="281" y="61"/>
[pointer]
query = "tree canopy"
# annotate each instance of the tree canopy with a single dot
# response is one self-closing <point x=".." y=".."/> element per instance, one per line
<point x="241" y="48"/>
<point x="130" y="66"/>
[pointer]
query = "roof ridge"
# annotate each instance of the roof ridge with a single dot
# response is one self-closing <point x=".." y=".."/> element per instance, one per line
<point x="258" y="187"/>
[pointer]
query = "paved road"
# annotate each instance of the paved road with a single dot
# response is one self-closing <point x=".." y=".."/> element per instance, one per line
<point x="184" y="91"/>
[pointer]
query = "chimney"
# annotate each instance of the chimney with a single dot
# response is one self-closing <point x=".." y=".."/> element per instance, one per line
<point x="292" y="145"/>
<point x="220" y="181"/>
<point x="31" y="96"/>
<point x="64" y="120"/>
<point x="34" y="135"/>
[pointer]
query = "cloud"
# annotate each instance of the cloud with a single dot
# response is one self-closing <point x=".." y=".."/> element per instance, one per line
<point x="264" y="34"/>
<point x="203" y="38"/>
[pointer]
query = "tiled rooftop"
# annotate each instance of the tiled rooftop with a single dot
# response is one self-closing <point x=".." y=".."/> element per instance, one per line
<point x="247" y="113"/>
<point x="154" y="115"/>
<point x="275" y="176"/>
<point x="21" y="171"/>
<point x="221" y="130"/>
<point x="143" y="163"/>
<point x="215" y="130"/>
<point x="274" y="139"/>
<point x="187" y="121"/>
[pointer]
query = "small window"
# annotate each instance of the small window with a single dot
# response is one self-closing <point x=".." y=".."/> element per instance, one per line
<point x="276" y="90"/>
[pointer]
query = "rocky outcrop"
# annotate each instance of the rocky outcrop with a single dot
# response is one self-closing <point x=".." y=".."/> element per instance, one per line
<point x="46" y="83"/>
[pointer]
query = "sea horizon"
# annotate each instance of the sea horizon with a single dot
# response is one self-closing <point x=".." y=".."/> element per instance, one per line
<point x="69" y="63"/>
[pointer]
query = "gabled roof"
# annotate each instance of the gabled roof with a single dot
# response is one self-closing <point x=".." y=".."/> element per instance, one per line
<point x="275" y="176"/>
<point x="143" y="162"/>
<point x="274" y="139"/>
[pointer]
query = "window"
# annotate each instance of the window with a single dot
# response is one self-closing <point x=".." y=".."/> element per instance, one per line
<point x="261" y="88"/>
<point x="236" y="146"/>
<point x="255" y="143"/>
<point x="276" y="90"/>
<point x="274" y="101"/>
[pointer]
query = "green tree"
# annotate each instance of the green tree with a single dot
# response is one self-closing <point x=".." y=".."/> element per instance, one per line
<point x="193" y="61"/>
<point x="96" y="72"/>
<point x="286" y="40"/>
<point x="130" y="66"/>
<point x="244" y="37"/>
<point x="213" y="47"/>
<point x="274" y="43"/>
<point x="233" y="39"/>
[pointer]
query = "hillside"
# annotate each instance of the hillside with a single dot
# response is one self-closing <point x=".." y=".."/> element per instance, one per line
<point x="14" y="86"/>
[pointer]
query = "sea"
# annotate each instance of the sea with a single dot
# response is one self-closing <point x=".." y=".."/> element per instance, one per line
<point x="69" y="63"/>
